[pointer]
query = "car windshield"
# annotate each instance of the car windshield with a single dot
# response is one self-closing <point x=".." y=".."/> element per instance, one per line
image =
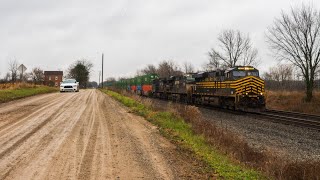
<point x="69" y="81"/>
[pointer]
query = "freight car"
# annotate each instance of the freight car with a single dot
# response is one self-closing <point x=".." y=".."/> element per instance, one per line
<point x="141" y="85"/>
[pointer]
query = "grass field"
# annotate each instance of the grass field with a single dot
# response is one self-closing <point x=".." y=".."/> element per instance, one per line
<point x="177" y="129"/>
<point x="9" y="92"/>
<point x="293" y="101"/>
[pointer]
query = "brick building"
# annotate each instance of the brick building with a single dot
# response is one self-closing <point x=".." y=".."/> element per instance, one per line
<point x="53" y="78"/>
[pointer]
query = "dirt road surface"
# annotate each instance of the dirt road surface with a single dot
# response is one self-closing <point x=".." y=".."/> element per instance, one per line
<point x="85" y="135"/>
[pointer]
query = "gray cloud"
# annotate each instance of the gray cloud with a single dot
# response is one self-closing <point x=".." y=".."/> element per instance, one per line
<point x="132" y="34"/>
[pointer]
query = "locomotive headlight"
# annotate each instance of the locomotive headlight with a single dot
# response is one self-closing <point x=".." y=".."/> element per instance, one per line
<point x="261" y="94"/>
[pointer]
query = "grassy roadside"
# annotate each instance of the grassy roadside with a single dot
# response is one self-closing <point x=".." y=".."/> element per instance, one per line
<point x="12" y="94"/>
<point x="176" y="128"/>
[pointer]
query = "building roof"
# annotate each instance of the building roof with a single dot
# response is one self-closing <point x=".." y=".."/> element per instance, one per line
<point x="53" y="73"/>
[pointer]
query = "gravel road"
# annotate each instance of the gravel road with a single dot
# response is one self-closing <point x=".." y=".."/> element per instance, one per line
<point x="85" y="135"/>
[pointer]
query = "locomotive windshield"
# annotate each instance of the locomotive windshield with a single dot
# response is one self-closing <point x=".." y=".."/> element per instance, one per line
<point x="245" y="73"/>
<point x="239" y="73"/>
<point x="253" y="73"/>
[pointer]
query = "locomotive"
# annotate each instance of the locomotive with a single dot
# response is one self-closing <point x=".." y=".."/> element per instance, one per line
<point x="238" y="88"/>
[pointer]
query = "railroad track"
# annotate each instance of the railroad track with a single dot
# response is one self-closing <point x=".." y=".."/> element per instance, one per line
<point x="287" y="117"/>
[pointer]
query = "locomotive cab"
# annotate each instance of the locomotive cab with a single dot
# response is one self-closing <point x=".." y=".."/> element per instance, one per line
<point x="247" y="87"/>
<point x="241" y="72"/>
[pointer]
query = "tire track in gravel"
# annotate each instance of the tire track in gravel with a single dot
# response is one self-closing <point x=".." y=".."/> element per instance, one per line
<point x="32" y="142"/>
<point x="20" y="134"/>
<point x="18" y="111"/>
<point x="87" y="159"/>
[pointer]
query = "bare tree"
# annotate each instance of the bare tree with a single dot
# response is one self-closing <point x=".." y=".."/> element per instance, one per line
<point x="250" y="57"/>
<point x="188" y="67"/>
<point x="267" y="76"/>
<point x="280" y="73"/>
<point x="295" y="37"/>
<point x="13" y="69"/>
<point x="214" y="61"/>
<point x="37" y="75"/>
<point x="111" y="79"/>
<point x="167" y="69"/>
<point x="150" y="69"/>
<point x="236" y="49"/>
<point x="7" y="77"/>
<point x="279" y="77"/>
<point x="27" y="77"/>
<point x="139" y="73"/>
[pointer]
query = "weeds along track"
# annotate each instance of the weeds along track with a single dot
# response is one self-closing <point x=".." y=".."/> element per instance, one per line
<point x="294" y="118"/>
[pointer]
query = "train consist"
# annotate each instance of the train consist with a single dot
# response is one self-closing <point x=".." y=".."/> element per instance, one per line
<point x="141" y="85"/>
<point x="238" y="88"/>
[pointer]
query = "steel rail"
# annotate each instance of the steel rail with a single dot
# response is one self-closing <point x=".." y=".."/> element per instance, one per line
<point x="294" y="118"/>
<point x="294" y="114"/>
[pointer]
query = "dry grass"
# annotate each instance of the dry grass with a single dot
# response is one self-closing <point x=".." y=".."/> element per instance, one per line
<point x="12" y="86"/>
<point x="293" y="101"/>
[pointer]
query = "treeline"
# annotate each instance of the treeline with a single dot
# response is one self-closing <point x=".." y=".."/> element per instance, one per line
<point x="287" y="77"/>
<point x="79" y="70"/>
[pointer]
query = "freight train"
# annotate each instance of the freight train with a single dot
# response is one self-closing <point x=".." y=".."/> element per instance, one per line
<point x="238" y="88"/>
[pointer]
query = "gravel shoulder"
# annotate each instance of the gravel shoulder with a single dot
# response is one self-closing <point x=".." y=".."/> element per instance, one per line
<point x="286" y="141"/>
<point x="86" y="135"/>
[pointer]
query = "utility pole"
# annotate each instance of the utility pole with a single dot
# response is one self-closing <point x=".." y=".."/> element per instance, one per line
<point x="99" y="78"/>
<point x="102" y="73"/>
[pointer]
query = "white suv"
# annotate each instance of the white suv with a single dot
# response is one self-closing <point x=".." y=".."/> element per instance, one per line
<point x="69" y="85"/>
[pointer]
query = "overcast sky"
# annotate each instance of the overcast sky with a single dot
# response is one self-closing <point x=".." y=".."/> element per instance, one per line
<point x="130" y="33"/>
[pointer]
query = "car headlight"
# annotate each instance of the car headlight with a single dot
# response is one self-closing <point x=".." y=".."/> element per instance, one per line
<point x="74" y="85"/>
<point x="61" y="86"/>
